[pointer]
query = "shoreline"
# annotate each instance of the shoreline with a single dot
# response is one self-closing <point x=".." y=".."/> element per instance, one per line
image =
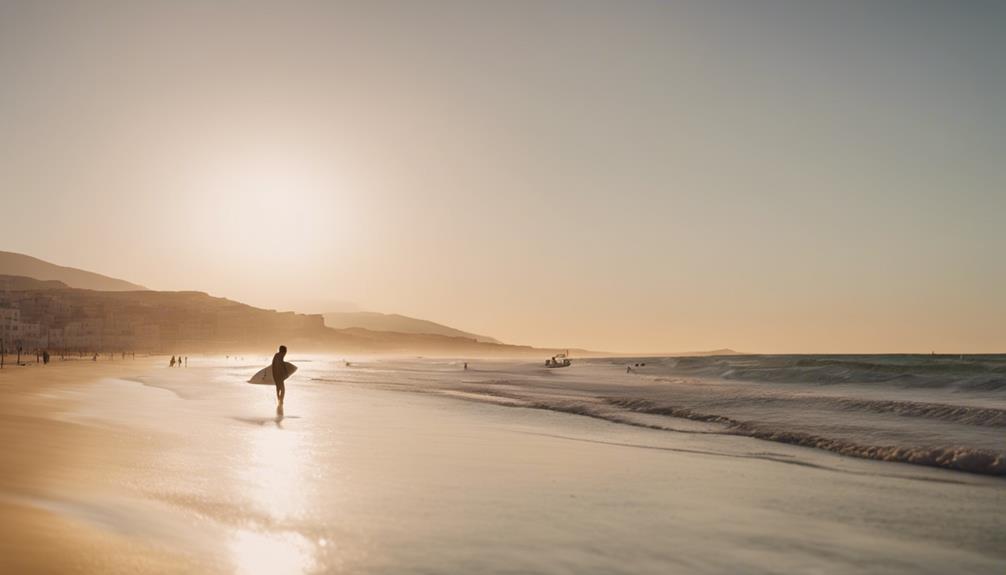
<point x="140" y="468"/>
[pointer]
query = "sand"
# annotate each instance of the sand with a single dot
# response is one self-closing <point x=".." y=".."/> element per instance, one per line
<point x="45" y="456"/>
<point x="130" y="467"/>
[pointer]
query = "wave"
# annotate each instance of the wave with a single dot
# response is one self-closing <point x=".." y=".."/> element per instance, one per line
<point x="961" y="458"/>
<point x="939" y="429"/>
<point x="981" y="416"/>
<point x="964" y="373"/>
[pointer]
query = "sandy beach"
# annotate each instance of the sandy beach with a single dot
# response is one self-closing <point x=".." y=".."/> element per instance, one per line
<point x="128" y="466"/>
<point x="571" y="288"/>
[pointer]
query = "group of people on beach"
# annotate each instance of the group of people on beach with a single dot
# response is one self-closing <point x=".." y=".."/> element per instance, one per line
<point x="178" y="362"/>
<point x="44" y="357"/>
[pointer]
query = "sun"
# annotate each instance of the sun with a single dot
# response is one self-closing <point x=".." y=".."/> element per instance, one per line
<point x="276" y="207"/>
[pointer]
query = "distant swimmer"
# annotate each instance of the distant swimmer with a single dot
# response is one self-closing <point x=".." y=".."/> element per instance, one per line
<point x="279" y="373"/>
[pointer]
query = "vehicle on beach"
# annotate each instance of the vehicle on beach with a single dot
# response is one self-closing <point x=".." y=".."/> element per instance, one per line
<point x="559" y="360"/>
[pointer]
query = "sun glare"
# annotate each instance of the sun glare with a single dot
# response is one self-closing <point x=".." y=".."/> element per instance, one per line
<point x="273" y="480"/>
<point x="257" y="553"/>
<point x="274" y="476"/>
<point x="272" y="207"/>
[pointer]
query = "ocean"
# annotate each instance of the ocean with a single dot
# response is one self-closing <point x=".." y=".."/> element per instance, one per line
<point x="934" y="410"/>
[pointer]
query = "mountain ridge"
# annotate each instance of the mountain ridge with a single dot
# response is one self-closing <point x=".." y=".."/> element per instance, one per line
<point x="356" y="330"/>
<point x="15" y="264"/>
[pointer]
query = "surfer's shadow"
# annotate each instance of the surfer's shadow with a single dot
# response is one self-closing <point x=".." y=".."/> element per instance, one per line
<point x="262" y="421"/>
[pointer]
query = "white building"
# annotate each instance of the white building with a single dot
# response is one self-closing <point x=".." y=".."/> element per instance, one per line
<point x="10" y="326"/>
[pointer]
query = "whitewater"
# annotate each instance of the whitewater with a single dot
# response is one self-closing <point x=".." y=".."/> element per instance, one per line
<point x="939" y="411"/>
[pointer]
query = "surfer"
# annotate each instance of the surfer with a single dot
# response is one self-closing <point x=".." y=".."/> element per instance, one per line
<point x="279" y="373"/>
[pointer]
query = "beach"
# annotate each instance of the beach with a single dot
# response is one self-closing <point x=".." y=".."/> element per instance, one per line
<point x="419" y="466"/>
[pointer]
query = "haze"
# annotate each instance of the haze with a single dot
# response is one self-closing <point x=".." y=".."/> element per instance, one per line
<point x="666" y="176"/>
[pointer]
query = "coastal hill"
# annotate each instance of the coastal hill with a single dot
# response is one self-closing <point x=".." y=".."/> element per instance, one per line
<point x="375" y="321"/>
<point x="14" y="264"/>
<point x="43" y="305"/>
<point x="15" y="283"/>
<point x="28" y="269"/>
<point x="37" y="314"/>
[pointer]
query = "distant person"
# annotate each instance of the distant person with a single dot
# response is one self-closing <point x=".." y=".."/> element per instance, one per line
<point x="186" y="361"/>
<point x="466" y="366"/>
<point x="279" y="373"/>
<point x="172" y="364"/>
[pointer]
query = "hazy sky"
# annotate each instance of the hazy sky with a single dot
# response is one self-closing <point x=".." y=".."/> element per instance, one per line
<point x="769" y="176"/>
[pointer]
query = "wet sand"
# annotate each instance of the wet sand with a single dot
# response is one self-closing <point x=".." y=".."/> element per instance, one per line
<point x="130" y="467"/>
<point x="46" y="457"/>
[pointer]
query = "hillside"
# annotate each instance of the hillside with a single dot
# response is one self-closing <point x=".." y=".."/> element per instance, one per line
<point x="14" y="264"/>
<point x="375" y="321"/>
<point x="48" y="315"/>
<point x="57" y="306"/>
<point x="10" y="283"/>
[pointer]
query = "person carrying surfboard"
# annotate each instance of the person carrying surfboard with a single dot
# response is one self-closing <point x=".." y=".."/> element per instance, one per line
<point x="279" y="373"/>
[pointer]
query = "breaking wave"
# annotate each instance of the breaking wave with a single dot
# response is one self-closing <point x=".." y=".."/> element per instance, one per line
<point x="961" y="458"/>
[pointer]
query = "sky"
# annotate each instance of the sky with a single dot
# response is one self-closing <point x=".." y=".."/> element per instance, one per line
<point x="768" y="176"/>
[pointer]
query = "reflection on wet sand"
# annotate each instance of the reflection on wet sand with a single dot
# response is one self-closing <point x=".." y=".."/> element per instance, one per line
<point x="277" y="420"/>
<point x="257" y="553"/>
<point x="273" y="482"/>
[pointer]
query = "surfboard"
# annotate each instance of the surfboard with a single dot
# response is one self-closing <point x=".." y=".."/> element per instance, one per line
<point x="264" y="375"/>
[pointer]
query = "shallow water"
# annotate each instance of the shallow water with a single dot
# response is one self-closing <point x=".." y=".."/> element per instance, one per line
<point x="418" y="466"/>
<point x="935" y="411"/>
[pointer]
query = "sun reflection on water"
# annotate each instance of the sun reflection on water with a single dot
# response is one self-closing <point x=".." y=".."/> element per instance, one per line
<point x="261" y="553"/>
<point x="273" y="478"/>
<point x="273" y="482"/>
